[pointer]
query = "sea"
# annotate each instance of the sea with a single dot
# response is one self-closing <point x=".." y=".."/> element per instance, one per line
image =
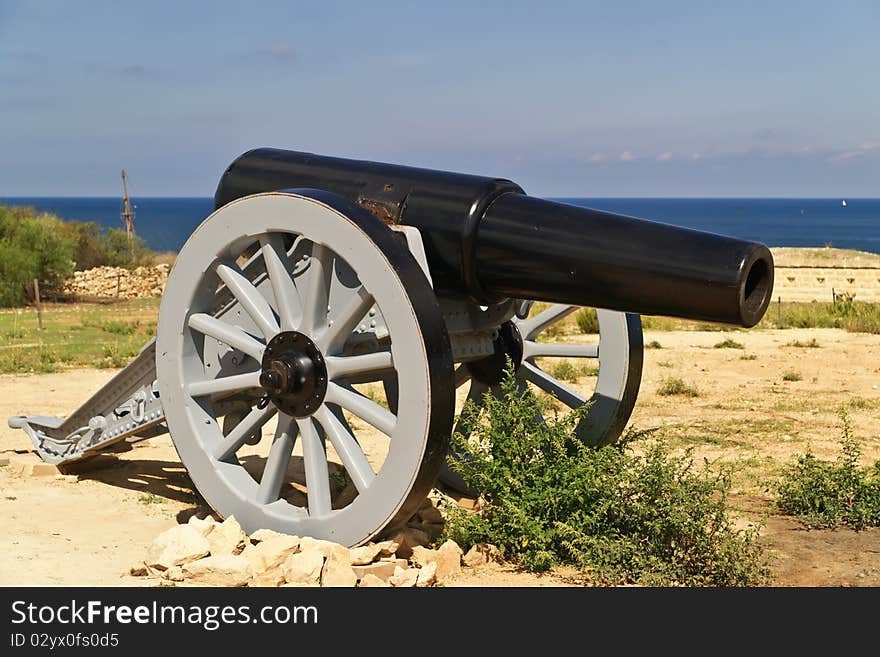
<point x="166" y="223"/>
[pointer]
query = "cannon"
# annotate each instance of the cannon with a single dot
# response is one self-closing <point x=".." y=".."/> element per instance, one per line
<point x="319" y="328"/>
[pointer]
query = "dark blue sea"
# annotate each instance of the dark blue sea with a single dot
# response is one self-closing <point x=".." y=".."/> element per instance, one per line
<point x="165" y="223"/>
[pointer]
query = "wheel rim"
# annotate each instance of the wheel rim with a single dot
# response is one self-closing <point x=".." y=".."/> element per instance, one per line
<point x="322" y="268"/>
<point x="617" y="352"/>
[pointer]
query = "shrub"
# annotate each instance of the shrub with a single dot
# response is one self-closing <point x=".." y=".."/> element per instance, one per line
<point x="792" y="375"/>
<point x="729" y="344"/>
<point x="748" y="357"/>
<point x="617" y="516"/>
<point x="587" y="320"/>
<point x="653" y="344"/>
<point x="812" y="344"/>
<point x="676" y="386"/>
<point x="31" y="246"/>
<point x="832" y="493"/>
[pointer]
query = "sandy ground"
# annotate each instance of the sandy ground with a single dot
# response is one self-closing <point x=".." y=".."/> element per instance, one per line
<point x="89" y="527"/>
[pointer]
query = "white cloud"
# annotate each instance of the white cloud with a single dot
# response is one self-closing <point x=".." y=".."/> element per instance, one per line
<point x="598" y="157"/>
<point x="865" y="149"/>
<point x="665" y="157"/>
<point x="626" y="156"/>
<point x="695" y="156"/>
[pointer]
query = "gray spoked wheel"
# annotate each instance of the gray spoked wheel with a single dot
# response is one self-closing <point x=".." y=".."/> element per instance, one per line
<point x="616" y="352"/>
<point x="280" y="311"/>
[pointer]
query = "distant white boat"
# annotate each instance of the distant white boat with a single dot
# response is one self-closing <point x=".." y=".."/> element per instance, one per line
<point x="843" y="202"/>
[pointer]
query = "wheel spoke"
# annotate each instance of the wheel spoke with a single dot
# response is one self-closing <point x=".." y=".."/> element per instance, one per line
<point x="529" y="328"/>
<point x="252" y="422"/>
<point x="532" y="349"/>
<point x="366" y="409"/>
<point x="353" y="457"/>
<point x="548" y="384"/>
<point x="346" y="320"/>
<point x="286" y="297"/>
<point x="314" y="302"/>
<point x="275" y="471"/>
<point x="224" y="384"/>
<point x="462" y="376"/>
<point x="344" y="366"/>
<point x="229" y="334"/>
<point x="250" y="299"/>
<point x="317" y="475"/>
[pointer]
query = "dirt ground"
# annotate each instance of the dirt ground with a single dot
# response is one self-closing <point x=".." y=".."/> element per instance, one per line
<point x="89" y="527"/>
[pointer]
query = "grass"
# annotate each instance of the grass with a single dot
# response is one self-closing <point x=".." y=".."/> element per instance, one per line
<point x="676" y="386"/>
<point x="729" y="344"/>
<point x="792" y="375"/>
<point x="855" y="316"/>
<point x="565" y="370"/>
<point x="75" y="335"/>
<point x="832" y="493"/>
<point x="616" y="514"/>
<point x="653" y="344"/>
<point x="749" y="357"/>
<point x="811" y="344"/>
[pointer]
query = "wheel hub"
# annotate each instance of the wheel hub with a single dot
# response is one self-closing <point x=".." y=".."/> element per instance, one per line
<point x="490" y="370"/>
<point x="294" y="374"/>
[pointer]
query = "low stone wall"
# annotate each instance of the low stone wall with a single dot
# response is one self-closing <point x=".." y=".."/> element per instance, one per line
<point x="119" y="283"/>
<point x="822" y="283"/>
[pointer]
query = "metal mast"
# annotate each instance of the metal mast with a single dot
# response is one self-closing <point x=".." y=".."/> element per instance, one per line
<point x="128" y="216"/>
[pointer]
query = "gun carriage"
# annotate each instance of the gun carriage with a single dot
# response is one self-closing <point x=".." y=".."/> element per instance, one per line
<point x="317" y="329"/>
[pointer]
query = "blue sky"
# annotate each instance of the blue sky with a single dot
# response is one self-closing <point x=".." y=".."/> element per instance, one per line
<point x="567" y="99"/>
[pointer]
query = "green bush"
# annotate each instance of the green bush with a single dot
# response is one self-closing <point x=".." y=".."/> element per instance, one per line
<point x="618" y="516"/>
<point x="832" y="493"/>
<point x="729" y="344"/>
<point x="676" y="386"/>
<point x="587" y="320"/>
<point x="31" y="246"/>
<point x="792" y="375"/>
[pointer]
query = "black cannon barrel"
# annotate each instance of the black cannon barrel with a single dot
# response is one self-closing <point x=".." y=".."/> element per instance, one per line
<point x="486" y="238"/>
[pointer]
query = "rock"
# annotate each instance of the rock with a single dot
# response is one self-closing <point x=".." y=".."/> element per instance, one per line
<point x="272" y="578"/>
<point x="448" y="560"/>
<point x="369" y="581"/>
<point x="177" y="546"/>
<point x="138" y="571"/>
<point x="227" y="537"/>
<point x="303" y="568"/>
<point x="338" y="571"/>
<point x="203" y="525"/>
<point x="264" y="535"/>
<point x="433" y="530"/>
<point x="173" y="574"/>
<point x="381" y="569"/>
<point x="219" y="570"/>
<point x="427" y="575"/>
<point x="324" y="547"/>
<point x="271" y="552"/>
<point x="387" y="548"/>
<point x="31" y="465"/>
<point x="407" y="539"/>
<point x="404" y="578"/>
<point x="481" y="554"/>
<point x="366" y="554"/>
<point x="431" y="514"/>
<point x="422" y="556"/>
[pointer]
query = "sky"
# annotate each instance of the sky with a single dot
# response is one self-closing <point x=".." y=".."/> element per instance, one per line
<point x="565" y="98"/>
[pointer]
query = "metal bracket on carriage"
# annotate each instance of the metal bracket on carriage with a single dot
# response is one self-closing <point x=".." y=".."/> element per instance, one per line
<point x="138" y="418"/>
<point x="126" y="407"/>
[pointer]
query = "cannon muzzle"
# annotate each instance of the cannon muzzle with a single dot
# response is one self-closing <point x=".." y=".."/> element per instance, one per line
<point x="485" y="238"/>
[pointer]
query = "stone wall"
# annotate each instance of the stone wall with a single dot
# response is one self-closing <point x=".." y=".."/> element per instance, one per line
<point x="116" y="282"/>
<point x="822" y="283"/>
